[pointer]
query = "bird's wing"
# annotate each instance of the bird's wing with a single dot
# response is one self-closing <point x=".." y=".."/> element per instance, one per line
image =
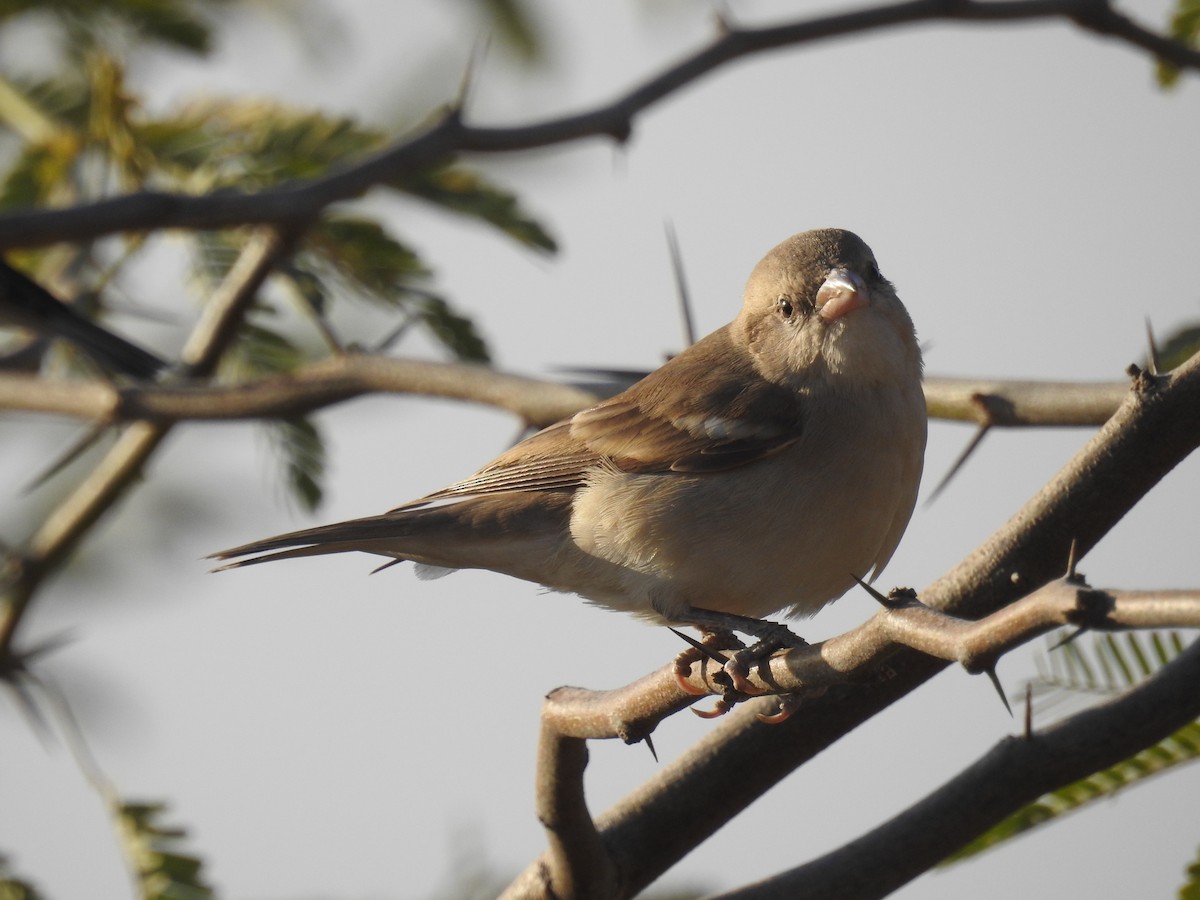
<point x="688" y="416"/>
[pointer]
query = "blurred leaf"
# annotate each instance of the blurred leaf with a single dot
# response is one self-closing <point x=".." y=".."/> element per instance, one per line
<point x="1181" y="747"/>
<point x="172" y="23"/>
<point x="454" y="331"/>
<point x="1111" y="664"/>
<point x="259" y="143"/>
<point x="260" y="351"/>
<point x="464" y="191"/>
<point x="1190" y="889"/>
<point x="37" y="174"/>
<point x="12" y="887"/>
<point x="1181" y="346"/>
<point x="361" y="251"/>
<point x="162" y="872"/>
<point x="514" y="24"/>
<point x="1185" y="28"/>
<point x="179" y="146"/>
<point x="299" y="442"/>
<point x="63" y="98"/>
<point x="175" y="23"/>
<point x="307" y="285"/>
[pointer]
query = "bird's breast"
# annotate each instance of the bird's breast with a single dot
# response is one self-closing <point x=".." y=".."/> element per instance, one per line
<point x="789" y="530"/>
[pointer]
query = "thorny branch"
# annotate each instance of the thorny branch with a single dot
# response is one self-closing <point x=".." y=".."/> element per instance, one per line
<point x="643" y="835"/>
<point x="743" y="757"/>
<point x="297" y="203"/>
<point x="902" y="848"/>
<point x="122" y="465"/>
<point x="535" y="401"/>
<point x="1012" y="774"/>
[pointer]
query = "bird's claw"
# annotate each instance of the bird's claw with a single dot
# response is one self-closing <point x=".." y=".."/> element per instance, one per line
<point x="737" y="668"/>
<point x="722" y="706"/>
<point x="686" y="686"/>
<point x="733" y="679"/>
<point x="788" y="704"/>
<point x="709" y="647"/>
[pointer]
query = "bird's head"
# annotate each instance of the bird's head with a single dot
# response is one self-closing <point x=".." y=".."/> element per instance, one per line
<point x="817" y="306"/>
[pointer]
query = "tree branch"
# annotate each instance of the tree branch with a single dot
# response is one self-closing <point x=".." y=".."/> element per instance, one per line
<point x="122" y="465"/>
<point x="330" y="381"/>
<point x="570" y="716"/>
<point x="1014" y="773"/>
<point x="647" y="832"/>
<point x="296" y="203"/>
<point x="535" y="401"/>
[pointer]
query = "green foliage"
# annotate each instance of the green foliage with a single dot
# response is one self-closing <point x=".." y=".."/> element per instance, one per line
<point x="250" y="144"/>
<point x="152" y="848"/>
<point x="12" y="887"/>
<point x="1185" y="28"/>
<point x="513" y="22"/>
<point x="260" y="351"/>
<point x="1181" y="747"/>
<point x="1113" y="663"/>
<point x="299" y="442"/>
<point x="454" y="187"/>
<point x="1182" y="345"/>
<point x="90" y="115"/>
<point x="37" y="172"/>
<point x="176" y="24"/>
<point x="454" y="331"/>
<point x="360" y="251"/>
<point x="1190" y="889"/>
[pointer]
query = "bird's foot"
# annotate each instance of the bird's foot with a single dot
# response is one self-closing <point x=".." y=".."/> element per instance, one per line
<point x="709" y="647"/>
<point x="788" y="704"/>
<point x="733" y="680"/>
<point x="771" y="636"/>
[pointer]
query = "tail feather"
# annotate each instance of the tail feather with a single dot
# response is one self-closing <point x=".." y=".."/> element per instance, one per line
<point x="493" y="532"/>
<point x="293" y="553"/>
<point x="369" y="535"/>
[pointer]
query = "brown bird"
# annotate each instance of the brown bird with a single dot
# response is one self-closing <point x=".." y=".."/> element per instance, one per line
<point x="760" y="470"/>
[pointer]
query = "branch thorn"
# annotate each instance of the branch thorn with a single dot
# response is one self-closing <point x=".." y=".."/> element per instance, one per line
<point x="1028" y="711"/>
<point x="1058" y="645"/>
<point x="474" y="64"/>
<point x="1072" y="559"/>
<point x="681" y="288"/>
<point x="650" y="746"/>
<point x="960" y="462"/>
<point x="881" y="599"/>
<point x="995" y="679"/>
<point x="1152" y="349"/>
<point x="698" y="645"/>
<point x="724" y="19"/>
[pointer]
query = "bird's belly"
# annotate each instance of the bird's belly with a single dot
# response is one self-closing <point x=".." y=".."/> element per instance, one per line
<point x="794" y="534"/>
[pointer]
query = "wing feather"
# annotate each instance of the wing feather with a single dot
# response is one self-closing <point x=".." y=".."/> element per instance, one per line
<point x="706" y="410"/>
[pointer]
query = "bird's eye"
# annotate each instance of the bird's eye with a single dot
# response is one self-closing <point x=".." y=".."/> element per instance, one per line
<point x="785" y="307"/>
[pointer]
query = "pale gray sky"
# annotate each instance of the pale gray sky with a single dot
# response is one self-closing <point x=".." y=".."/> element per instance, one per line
<point x="322" y="733"/>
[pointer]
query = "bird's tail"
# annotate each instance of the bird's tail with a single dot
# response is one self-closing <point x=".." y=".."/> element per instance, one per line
<point x="368" y="535"/>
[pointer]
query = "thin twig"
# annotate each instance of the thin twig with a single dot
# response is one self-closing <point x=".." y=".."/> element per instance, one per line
<point x="536" y="401"/>
<point x="296" y="203"/>
<point x="121" y="466"/>
<point x="311" y="387"/>
<point x="1014" y="773"/>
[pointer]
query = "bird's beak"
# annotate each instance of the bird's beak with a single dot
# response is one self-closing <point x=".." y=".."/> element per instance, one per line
<point x="842" y="293"/>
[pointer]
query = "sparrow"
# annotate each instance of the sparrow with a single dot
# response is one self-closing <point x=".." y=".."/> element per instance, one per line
<point x="761" y="470"/>
<point x="26" y="304"/>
